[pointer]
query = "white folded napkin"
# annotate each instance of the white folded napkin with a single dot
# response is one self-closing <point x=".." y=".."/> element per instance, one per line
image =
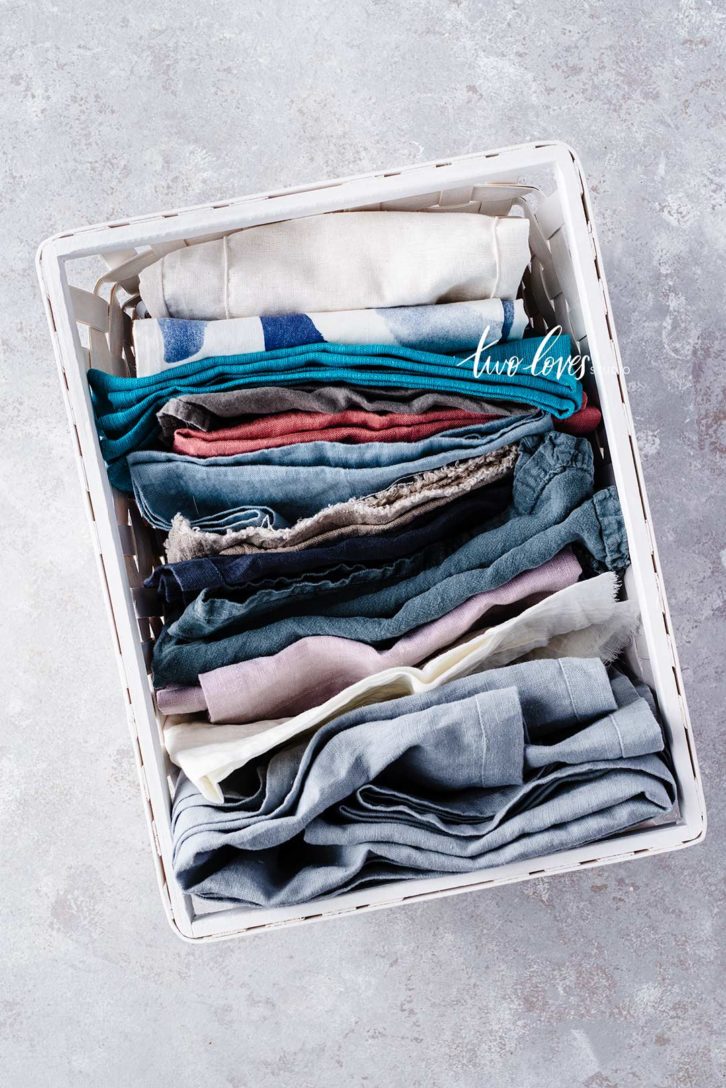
<point x="341" y="261"/>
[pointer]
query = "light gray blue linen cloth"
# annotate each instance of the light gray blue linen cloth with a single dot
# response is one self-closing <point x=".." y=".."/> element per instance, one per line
<point x="502" y="765"/>
<point x="279" y="486"/>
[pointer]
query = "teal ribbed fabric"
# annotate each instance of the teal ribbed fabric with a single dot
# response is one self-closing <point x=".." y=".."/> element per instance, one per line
<point x="126" y="408"/>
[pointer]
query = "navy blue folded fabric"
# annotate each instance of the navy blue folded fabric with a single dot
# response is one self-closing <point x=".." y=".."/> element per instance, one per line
<point x="177" y="584"/>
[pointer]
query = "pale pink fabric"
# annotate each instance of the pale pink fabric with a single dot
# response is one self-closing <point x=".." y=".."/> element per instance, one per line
<point x="314" y="668"/>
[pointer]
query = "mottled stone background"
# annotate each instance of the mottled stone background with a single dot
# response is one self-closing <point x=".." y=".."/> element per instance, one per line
<point x="611" y="977"/>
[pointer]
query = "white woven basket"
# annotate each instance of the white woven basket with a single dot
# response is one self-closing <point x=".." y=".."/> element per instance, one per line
<point x="89" y="279"/>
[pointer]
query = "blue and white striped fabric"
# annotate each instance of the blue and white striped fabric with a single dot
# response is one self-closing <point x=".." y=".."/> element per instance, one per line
<point x="455" y="326"/>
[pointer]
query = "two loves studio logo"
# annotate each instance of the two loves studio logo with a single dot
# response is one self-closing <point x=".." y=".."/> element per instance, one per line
<point x="546" y="361"/>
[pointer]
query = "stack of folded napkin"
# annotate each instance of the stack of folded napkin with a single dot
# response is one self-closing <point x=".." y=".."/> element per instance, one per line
<point x="378" y="489"/>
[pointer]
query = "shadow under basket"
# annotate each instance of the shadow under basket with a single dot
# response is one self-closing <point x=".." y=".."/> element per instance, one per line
<point x="89" y="278"/>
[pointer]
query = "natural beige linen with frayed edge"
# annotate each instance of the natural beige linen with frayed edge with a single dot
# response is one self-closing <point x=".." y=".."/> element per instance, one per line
<point x="387" y="510"/>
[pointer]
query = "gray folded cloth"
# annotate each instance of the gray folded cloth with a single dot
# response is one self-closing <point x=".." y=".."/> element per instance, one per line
<point x="502" y="765"/>
<point x="211" y="411"/>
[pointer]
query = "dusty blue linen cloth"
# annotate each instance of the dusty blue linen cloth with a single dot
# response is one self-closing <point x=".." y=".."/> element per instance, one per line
<point x="553" y="506"/>
<point x="125" y="408"/>
<point x="177" y="584"/>
<point x="491" y="768"/>
<point x="279" y="486"/>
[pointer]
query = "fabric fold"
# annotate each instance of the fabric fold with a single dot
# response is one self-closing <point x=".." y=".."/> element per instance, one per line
<point x="273" y="432"/>
<point x="450" y="781"/>
<point x="177" y="584"/>
<point x="340" y="261"/>
<point x="213" y="411"/>
<point x="163" y="342"/>
<point x="552" y="507"/>
<point x="588" y="613"/>
<point x="535" y="372"/>
<point x="388" y="511"/>
<point x="313" y="669"/>
<point x="276" y="488"/>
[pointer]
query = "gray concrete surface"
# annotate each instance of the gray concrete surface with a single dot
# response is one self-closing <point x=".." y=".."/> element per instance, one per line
<point x="610" y="978"/>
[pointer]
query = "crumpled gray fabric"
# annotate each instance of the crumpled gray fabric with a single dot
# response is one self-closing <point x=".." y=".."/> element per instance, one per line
<point x="502" y="765"/>
<point x="211" y="411"/>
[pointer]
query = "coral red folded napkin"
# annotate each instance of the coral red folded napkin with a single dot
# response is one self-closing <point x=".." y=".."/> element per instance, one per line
<point x="353" y="426"/>
<point x="583" y="422"/>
